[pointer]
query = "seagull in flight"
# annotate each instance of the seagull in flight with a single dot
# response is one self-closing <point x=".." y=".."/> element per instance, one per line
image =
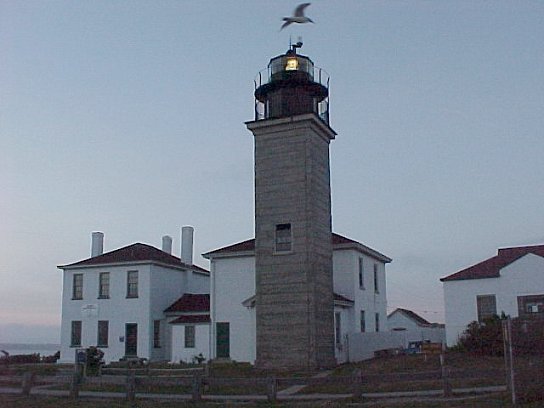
<point x="298" y="16"/>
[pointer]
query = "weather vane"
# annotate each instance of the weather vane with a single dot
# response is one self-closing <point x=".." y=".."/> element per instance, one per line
<point x="297" y="17"/>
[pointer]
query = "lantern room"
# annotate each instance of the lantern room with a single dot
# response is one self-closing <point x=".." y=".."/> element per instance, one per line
<point x="291" y="85"/>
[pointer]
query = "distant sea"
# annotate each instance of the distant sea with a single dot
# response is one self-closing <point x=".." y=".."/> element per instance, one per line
<point x="13" y="349"/>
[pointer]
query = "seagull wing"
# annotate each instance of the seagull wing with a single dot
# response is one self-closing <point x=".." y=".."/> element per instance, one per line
<point x="285" y="24"/>
<point x="299" y="11"/>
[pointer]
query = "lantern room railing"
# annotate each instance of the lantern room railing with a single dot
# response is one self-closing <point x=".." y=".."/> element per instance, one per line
<point x="315" y="74"/>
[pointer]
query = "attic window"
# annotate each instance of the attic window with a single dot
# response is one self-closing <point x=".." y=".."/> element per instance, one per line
<point x="284" y="238"/>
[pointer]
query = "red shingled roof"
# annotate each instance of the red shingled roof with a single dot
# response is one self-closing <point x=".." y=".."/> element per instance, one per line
<point x="134" y="253"/>
<point x="190" y="319"/>
<point x="243" y="246"/>
<point x="337" y="240"/>
<point x="490" y="268"/>
<point x="341" y="298"/>
<point x="190" y="303"/>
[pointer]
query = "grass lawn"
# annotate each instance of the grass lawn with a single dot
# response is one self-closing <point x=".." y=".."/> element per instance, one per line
<point x="398" y="373"/>
<point x="217" y="387"/>
<point x="148" y="388"/>
<point x="17" y="401"/>
<point x="420" y="362"/>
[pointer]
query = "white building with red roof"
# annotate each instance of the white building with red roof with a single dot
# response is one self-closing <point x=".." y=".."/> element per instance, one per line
<point x="189" y="318"/>
<point x="511" y="282"/>
<point x="135" y="302"/>
<point x="414" y="327"/>
<point x="360" y="300"/>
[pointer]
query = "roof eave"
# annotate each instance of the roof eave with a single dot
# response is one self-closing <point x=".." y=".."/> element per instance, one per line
<point x="175" y="313"/>
<point x="449" y="279"/>
<point x="236" y="254"/>
<point x="337" y="247"/>
<point x="344" y="304"/>
<point x="364" y="249"/>
<point x="129" y="263"/>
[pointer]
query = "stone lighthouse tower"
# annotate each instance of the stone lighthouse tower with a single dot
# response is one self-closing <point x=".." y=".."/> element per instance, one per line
<point x="294" y="283"/>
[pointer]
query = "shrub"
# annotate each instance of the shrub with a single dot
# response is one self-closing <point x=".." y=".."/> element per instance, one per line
<point x="94" y="360"/>
<point x="483" y="338"/>
<point x="22" y="359"/>
<point x="51" y="359"/>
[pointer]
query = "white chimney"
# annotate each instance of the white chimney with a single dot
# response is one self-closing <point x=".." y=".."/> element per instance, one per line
<point x="167" y="244"/>
<point x="187" y="245"/>
<point x="97" y="244"/>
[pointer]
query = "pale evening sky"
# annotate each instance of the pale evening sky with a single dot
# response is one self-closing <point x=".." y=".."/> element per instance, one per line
<point x="127" y="117"/>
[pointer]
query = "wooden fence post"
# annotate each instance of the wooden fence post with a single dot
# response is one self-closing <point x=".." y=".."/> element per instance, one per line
<point x="446" y="386"/>
<point x="357" y="381"/>
<point x="197" y="387"/>
<point x="271" y="389"/>
<point x="131" y="387"/>
<point x="505" y="340"/>
<point x="74" y="385"/>
<point x="28" y="379"/>
<point x="511" y="358"/>
<point x="207" y="375"/>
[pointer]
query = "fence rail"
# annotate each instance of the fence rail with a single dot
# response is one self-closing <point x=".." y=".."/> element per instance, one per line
<point x="163" y="372"/>
<point x="197" y="385"/>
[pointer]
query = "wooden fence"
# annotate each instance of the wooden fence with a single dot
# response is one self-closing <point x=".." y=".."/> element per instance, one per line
<point x="195" y="385"/>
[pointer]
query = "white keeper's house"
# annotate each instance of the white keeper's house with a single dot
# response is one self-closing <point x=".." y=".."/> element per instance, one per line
<point x="140" y="301"/>
<point x="511" y="282"/>
<point x="135" y="301"/>
<point x="360" y="300"/>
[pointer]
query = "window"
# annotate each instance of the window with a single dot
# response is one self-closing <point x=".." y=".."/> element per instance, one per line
<point x="361" y="274"/>
<point x="102" y="340"/>
<point x="487" y="306"/>
<point x="132" y="284"/>
<point x="76" y="333"/>
<point x="377" y="322"/>
<point x="189" y="336"/>
<point x="376" y="285"/>
<point x="77" y="286"/>
<point x="283" y="238"/>
<point x="363" y="321"/>
<point x="104" y="285"/>
<point x="531" y="305"/>
<point x="156" y="333"/>
<point x="337" y="329"/>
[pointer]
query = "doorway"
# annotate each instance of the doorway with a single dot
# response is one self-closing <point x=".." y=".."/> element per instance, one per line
<point x="131" y="339"/>
<point x="223" y="340"/>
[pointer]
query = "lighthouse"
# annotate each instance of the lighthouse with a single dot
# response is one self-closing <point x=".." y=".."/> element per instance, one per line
<point x="293" y="250"/>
